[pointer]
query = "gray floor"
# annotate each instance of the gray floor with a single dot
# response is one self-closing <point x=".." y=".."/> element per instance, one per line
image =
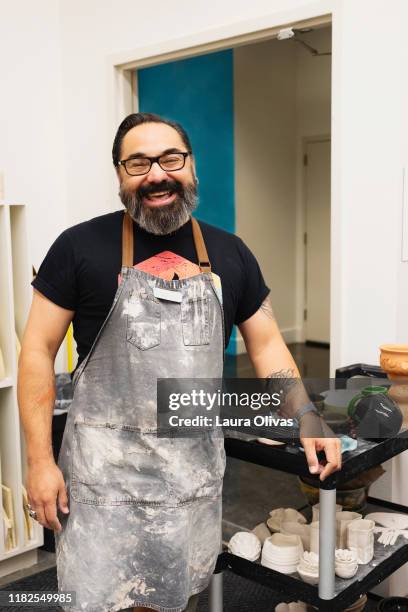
<point x="250" y="491"/>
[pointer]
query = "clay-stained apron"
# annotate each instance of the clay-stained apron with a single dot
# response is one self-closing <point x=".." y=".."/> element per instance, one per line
<point x="144" y="527"/>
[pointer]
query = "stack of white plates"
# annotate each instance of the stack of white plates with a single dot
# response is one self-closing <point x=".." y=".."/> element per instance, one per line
<point x="282" y="552"/>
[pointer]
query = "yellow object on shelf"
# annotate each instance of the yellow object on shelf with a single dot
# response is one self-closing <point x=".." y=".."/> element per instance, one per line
<point x="2" y="366"/>
<point x="8" y="511"/>
<point x="70" y="352"/>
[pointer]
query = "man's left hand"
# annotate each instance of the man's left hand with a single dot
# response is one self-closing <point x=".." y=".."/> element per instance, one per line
<point x="331" y="447"/>
<point x="328" y="442"/>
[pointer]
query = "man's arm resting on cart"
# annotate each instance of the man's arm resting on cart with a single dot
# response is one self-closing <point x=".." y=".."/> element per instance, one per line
<point x="272" y="359"/>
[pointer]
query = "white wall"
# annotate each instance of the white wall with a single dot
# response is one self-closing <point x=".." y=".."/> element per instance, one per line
<point x="281" y="96"/>
<point x="32" y="153"/>
<point x="265" y="165"/>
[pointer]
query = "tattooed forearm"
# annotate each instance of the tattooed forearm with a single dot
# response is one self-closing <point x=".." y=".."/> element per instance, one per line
<point x="266" y="308"/>
<point x="289" y="373"/>
<point x="282" y="380"/>
<point x="293" y="395"/>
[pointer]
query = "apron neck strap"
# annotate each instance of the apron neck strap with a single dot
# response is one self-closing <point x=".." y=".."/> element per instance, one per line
<point x="127" y="244"/>
<point x="202" y="255"/>
<point x="127" y="241"/>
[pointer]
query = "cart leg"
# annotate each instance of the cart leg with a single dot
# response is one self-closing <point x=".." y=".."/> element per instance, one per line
<point x="215" y="593"/>
<point x="327" y="542"/>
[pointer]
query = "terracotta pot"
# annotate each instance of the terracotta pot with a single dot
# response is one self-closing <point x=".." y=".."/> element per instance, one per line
<point x="394" y="361"/>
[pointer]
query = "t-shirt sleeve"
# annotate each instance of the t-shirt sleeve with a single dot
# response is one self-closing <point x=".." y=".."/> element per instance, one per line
<point x="254" y="289"/>
<point x="56" y="276"/>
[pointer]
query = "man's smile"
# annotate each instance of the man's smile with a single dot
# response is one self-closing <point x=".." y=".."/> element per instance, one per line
<point x="160" y="198"/>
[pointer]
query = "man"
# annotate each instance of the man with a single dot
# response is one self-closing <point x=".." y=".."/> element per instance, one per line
<point x="137" y="517"/>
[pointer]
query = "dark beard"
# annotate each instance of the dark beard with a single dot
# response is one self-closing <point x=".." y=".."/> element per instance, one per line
<point x="165" y="219"/>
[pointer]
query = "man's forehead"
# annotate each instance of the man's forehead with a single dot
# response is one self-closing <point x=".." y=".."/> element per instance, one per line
<point x="151" y="139"/>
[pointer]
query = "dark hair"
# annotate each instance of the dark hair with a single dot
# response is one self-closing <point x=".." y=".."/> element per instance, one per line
<point x="135" y="119"/>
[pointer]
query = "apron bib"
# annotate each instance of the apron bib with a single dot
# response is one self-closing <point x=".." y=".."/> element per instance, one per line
<point x="144" y="527"/>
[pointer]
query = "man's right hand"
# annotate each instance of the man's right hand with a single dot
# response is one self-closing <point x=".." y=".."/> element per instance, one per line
<point x="45" y="489"/>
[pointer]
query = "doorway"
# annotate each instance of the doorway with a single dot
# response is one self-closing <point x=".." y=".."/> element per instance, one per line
<point x="317" y="241"/>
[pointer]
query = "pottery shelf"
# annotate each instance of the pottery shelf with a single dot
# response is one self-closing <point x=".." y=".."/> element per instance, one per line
<point x="336" y="593"/>
<point x="20" y="536"/>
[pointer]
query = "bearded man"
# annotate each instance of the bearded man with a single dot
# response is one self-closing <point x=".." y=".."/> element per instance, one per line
<point x="152" y="293"/>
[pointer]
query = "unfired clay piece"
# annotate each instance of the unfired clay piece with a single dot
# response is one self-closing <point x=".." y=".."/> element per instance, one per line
<point x="246" y="545"/>
<point x="279" y="515"/>
<point x="262" y="532"/>
<point x="299" y="529"/>
<point x="346" y="563"/>
<point x="360" y="538"/>
<point x="282" y="552"/>
<point x="342" y="521"/>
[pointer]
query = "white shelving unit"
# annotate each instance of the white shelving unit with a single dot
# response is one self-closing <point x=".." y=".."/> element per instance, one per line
<point x="15" y="299"/>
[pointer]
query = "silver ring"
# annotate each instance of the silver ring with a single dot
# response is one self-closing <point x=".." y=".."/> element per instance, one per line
<point x="32" y="512"/>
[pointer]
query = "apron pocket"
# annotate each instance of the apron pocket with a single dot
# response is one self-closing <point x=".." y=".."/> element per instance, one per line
<point x="143" y="320"/>
<point x="195" y="321"/>
<point x="117" y="465"/>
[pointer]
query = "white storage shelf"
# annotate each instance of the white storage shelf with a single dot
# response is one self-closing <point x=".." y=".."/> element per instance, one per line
<point x="15" y="299"/>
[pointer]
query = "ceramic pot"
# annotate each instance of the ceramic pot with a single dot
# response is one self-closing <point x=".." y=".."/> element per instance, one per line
<point x="375" y="414"/>
<point x="360" y="539"/>
<point x="394" y="361"/>
<point x="350" y="499"/>
<point x="342" y="521"/>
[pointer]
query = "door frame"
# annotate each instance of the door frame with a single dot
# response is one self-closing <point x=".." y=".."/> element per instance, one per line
<point x="301" y="225"/>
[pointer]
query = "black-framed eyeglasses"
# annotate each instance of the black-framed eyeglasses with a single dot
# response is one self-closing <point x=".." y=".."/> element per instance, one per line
<point x="169" y="162"/>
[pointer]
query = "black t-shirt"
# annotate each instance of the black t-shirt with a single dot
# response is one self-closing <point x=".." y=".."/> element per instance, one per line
<point x="80" y="271"/>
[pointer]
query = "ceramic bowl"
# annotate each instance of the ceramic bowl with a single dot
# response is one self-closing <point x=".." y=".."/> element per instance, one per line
<point x="283" y="569"/>
<point x="346" y="571"/>
<point x="281" y="550"/>
<point x="311" y="578"/>
<point x="345" y="556"/>
<point x="309" y="562"/>
<point x="246" y="545"/>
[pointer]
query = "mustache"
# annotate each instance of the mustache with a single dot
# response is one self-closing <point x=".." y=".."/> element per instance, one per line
<point x="166" y="185"/>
